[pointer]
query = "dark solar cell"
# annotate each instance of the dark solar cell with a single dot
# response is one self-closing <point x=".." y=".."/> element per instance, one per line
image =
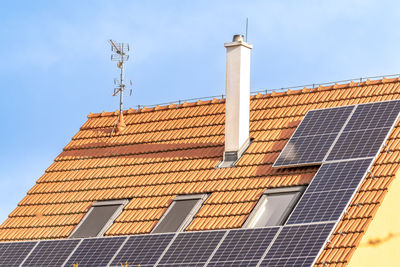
<point x="323" y="121"/>
<point x="95" y="252"/>
<point x="233" y="264"/>
<point x="142" y="250"/>
<point x="51" y="253"/>
<point x="339" y="175"/>
<point x="305" y="150"/>
<point x="12" y="254"/>
<point x="298" y="262"/>
<point x="192" y="247"/>
<point x="320" y="206"/>
<point x="358" y="144"/>
<point x="297" y="242"/>
<point x="374" y="115"/>
<point x="244" y="245"/>
<point x="178" y="265"/>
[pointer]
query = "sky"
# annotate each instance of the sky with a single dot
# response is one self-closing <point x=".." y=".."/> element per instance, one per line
<point x="55" y="63"/>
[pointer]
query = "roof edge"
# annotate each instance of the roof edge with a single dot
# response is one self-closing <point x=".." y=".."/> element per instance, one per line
<point x="254" y="95"/>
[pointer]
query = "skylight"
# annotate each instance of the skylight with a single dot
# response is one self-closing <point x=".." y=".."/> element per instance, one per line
<point x="180" y="213"/>
<point x="99" y="218"/>
<point x="274" y="207"/>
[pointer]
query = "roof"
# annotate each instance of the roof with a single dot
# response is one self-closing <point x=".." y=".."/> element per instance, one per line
<point x="171" y="150"/>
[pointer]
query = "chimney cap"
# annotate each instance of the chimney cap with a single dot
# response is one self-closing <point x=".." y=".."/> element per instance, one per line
<point x="238" y="38"/>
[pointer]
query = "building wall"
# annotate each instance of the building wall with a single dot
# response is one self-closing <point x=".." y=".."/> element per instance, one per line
<point x="380" y="246"/>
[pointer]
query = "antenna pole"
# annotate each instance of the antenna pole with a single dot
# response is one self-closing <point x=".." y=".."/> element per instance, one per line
<point x="122" y="85"/>
<point x="247" y="27"/>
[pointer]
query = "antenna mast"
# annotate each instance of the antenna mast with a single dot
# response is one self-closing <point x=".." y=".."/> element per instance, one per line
<point x="120" y="55"/>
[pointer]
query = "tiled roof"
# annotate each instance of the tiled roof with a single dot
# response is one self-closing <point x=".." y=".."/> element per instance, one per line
<point x="171" y="150"/>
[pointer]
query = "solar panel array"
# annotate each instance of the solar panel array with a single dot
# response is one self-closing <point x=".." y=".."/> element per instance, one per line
<point x="235" y="247"/>
<point x="339" y="133"/>
<point x="345" y="140"/>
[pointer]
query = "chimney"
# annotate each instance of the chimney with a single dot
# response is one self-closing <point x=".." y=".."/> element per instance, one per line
<point x="237" y="106"/>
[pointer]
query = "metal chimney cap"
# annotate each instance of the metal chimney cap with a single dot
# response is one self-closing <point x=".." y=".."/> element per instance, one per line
<point x="238" y="38"/>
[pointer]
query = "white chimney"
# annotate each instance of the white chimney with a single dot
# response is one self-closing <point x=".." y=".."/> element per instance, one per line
<point x="237" y="106"/>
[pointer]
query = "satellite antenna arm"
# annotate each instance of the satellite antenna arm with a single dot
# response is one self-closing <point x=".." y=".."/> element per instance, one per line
<point x="115" y="47"/>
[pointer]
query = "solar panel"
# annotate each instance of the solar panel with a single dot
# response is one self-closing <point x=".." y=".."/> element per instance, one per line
<point x="305" y="150"/>
<point x="358" y="144"/>
<point x="12" y="254"/>
<point x="320" y="206"/>
<point x="142" y="250"/>
<point x="314" y="137"/>
<point x="244" y="245"/>
<point x="51" y="253"/>
<point x="329" y="192"/>
<point x="374" y="115"/>
<point x="191" y="248"/>
<point x="298" y="243"/>
<point x="96" y="251"/>
<point x="366" y="130"/>
<point x="339" y="175"/>
<point x="323" y="121"/>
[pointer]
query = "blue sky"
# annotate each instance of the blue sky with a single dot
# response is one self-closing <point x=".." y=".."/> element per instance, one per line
<point x="55" y="66"/>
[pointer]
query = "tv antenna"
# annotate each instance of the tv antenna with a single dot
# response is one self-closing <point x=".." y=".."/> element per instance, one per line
<point x="120" y="55"/>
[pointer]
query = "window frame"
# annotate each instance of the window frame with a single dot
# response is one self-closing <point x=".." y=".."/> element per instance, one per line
<point x="288" y="209"/>
<point x="107" y="225"/>
<point x="189" y="217"/>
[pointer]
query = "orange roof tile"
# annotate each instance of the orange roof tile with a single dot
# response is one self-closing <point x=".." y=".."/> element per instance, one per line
<point x="170" y="150"/>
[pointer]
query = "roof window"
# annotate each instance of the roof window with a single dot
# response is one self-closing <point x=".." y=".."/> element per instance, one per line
<point x="274" y="207"/>
<point x="99" y="218"/>
<point x="180" y="213"/>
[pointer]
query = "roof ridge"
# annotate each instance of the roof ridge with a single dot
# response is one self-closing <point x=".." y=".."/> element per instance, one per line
<point x="256" y="94"/>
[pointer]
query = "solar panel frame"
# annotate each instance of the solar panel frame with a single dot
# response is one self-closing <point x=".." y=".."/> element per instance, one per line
<point x="51" y="252"/>
<point x="15" y="253"/>
<point x="96" y="251"/>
